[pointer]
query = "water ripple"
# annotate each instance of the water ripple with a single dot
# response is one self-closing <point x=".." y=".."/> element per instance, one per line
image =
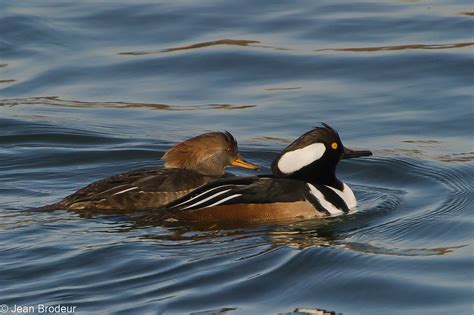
<point x="56" y="101"/>
<point x="401" y="47"/>
<point x="89" y="91"/>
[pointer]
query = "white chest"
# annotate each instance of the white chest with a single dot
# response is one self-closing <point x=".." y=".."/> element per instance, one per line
<point x="346" y="194"/>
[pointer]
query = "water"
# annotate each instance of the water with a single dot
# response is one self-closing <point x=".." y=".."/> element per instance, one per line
<point x="91" y="89"/>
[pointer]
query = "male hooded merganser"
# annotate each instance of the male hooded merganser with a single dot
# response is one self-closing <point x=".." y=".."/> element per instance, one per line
<point x="303" y="185"/>
<point x="188" y="165"/>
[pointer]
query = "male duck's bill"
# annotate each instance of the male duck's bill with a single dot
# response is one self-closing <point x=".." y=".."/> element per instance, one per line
<point x="350" y="154"/>
<point x="303" y="185"/>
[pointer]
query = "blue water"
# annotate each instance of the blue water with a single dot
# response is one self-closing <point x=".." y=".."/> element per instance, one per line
<point x="91" y="89"/>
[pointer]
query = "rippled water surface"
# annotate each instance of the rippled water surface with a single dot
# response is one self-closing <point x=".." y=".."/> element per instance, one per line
<point x="89" y="89"/>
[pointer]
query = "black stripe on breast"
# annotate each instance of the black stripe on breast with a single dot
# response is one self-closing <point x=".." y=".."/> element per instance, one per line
<point x="332" y="197"/>
<point x="315" y="202"/>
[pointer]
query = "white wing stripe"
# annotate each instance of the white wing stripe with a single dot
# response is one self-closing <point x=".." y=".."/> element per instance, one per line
<point x="223" y="200"/>
<point x="203" y="193"/>
<point x="206" y="199"/>
<point x="124" y="191"/>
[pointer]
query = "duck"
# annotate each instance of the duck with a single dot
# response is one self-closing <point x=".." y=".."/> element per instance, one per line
<point x="303" y="185"/>
<point x="188" y="165"/>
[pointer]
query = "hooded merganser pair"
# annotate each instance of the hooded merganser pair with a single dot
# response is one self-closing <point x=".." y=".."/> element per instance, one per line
<point x="188" y="165"/>
<point x="193" y="185"/>
<point x="303" y="185"/>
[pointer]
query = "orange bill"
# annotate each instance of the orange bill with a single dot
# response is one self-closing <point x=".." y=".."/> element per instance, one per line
<point x="239" y="162"/>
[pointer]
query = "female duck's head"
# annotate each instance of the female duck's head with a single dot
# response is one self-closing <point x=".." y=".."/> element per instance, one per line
<point x="208" y="154"/>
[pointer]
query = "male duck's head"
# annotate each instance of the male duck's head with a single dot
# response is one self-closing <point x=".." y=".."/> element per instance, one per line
<point x="208" y="154"/>
<point x="313" y="157"/>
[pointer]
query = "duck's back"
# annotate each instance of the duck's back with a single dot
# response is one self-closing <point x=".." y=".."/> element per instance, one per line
<point x="134" y="190"/>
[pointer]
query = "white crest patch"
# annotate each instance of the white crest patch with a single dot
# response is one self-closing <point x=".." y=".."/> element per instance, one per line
<point x="295" y="160"/>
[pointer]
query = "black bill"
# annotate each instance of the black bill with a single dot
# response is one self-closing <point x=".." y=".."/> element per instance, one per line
<point x="350" y="154"/>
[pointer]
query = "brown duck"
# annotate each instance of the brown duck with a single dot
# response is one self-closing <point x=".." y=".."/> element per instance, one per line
<point x="188" y="165"/>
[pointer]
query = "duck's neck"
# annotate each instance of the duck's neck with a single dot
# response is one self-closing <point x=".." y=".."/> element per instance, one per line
<point x="320" y="176"/>
<point x="206" y="167"/>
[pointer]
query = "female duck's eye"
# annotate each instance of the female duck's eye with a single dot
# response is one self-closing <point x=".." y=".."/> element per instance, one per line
<point x="334" y="145"/>
<point x="227" y="149"/>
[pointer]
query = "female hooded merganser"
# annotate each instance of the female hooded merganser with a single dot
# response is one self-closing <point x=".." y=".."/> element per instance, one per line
<point x="303" y="185"/>
<point x="188" y="165"/>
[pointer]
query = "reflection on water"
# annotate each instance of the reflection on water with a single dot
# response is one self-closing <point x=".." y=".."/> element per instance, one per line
<point x="268" y="139"/>
<point x="400" y="47"/>
<point x="56" y="101"/>
<point x="2" y="65"/>
<point x="432" y="153"/>
<point x="253" y="43"/>
<point x="312" y="310"/>
<point x="457" y="157"/>
<point x="370" y="249"/>
<point x="218" y="311"/>
<point x="428" y="141"/>
<point x="7" y="81"/>
<point x="283" y="88"/>
<point x="232" y="42"/>
<point x="296" y="235"/>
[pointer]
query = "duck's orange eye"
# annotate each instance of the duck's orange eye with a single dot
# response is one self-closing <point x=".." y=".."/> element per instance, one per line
<point x="334" y="145"/>
<point x="227" y="149"/>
